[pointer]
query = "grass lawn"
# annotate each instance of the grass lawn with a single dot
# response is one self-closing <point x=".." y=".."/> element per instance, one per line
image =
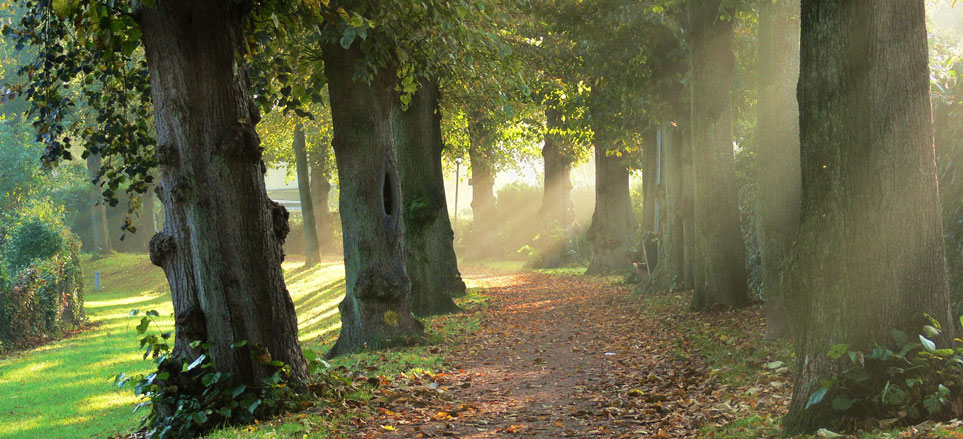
<point x="64" y="389"/>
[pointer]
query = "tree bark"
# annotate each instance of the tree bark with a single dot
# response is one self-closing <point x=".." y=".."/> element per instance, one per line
<point x="484" y="229"/>
<point x="98" y="212"/>
<point x="558" y="209"/>
<point x="312" y="252"/>
<point x="777" y="134"/>
<point x="650" y="190"/>
<point x="686" y="203"/>
<point x="611" y="231"/>
<point x="377" y="305"/>
<point x="557" y="212"/>
<point x="431" y="261"/>
<point x="670" y="272"/>
<point x="220" y="246"/>
<point x="720" y="272"/>
<point x="869" y="256"/>
<point x="321" y="191"/>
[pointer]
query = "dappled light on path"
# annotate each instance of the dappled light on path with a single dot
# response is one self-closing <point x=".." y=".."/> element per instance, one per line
<point x="561" y="356"/>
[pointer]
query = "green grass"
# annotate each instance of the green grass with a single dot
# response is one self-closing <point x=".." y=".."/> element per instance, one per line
<point x="64" y="389"/>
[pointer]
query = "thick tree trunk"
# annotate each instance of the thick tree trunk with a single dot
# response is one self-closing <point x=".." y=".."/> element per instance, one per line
<point x="686" y="203"/>
<point x="611" y="231"/>
<point x="312" y="253"/>
<point x="869" y="256"/>
<point x="484" y="227"/>
<point x="149" y="210"/>
<point x="670" y="272"/>
<point x="98" y="212"/>
<point x="650" y="190"/>
<point x="321" y="191"/>
<point x="377" y="306"/>
<point x="431" y="261"/>
<point x="558" y="209"/>
<point x="221" y="242"/>
<point x="777" y="134"/>
<point x="720" y="271"/>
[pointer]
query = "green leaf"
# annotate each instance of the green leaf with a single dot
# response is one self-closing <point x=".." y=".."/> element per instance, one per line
<point x="197" y="362"/>
<point x="348" y="37"/>
<point x="200" y="417"/>
<point x="238" y="391"/>
<point x="254" y="406"/>
<point x="927" y="343"/>
<point x="842" y="403"/>
<point x="817" y="396"/>
<point x="930" y="331"/>
<point x="142" y="327"/>
<point x="836" y="352"/>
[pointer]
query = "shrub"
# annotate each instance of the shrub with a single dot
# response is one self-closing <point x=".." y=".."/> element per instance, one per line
<point x="40" y="277"/>
<point x="908" y="380"/>
<point x="44" y="300"/>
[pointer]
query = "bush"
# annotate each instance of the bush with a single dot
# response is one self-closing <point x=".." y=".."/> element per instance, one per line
<point x="908" y="380"/>
<point x="32" y="239"/>
<point x="44" y="300"/>
<point x="41" y="280"/>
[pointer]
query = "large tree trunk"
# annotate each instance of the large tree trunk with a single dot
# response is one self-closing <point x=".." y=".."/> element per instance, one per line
<point x="611" y="230"/>
<point x="221" y="242"/>
<point x="869" y="256"/>
<point x="557" y="205"/>
<point x="720" y="272"/>
<point x="377" y="305"/>
<point x="670" y="272"/>
<point x="557" y="212"/>
<point x="98" y="211"/>
<point x="484" y="226"/>
<point x="149" y="209"/>
<point x="650" y="189"/>
<point x="777" y="134"/>
<point x="321" y="191"/>
<point x="686" y="204"/>
<point x="312" y="253"/>
<point x="431" y="261"/>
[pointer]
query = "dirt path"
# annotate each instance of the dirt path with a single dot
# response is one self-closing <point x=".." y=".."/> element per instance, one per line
<point x="561" y="356"/>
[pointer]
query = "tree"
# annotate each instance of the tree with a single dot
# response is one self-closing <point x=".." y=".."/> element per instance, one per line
<point x="869" y="255"/>
<point x="720" y="273"/>
<point x="777" y="136"/>
<point x="431" y="262"/>
<point x="612" y="222"/>
<point x="98" y="212"/>
<point x="220" y="246"/>
<point x="312" y="251"/>
<point x="377" y="304"/>
<point x="484" y="239"/>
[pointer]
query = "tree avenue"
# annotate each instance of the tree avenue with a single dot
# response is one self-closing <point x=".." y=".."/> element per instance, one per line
<point x="751" y="170"/>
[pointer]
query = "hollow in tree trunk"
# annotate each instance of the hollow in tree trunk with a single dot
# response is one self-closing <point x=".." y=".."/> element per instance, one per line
<point x="777" y="134"/>
<point x="869" y="256"/>
<point x="220" y="246"/>
<point x="312" y="253"/>
<point x="720" y="271"/>
<point x="431" y="261"/>
<point x="377" y="305"/>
